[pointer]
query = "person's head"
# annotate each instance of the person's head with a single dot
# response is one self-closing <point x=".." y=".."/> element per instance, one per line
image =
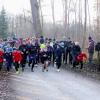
<point x="41" y="37"/>
<point x="46" y="39"/>
<point x="24" y="42"/>
<point x="90" y="38"/>
<point x="76" y="43"/>
<point x="69" y="38"/>
<point x="50" y="40"/>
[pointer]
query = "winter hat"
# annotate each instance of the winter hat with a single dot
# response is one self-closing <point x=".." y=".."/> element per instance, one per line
<point x="76" y="43"/>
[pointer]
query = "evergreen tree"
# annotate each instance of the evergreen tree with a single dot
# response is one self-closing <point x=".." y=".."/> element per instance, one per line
<point x="3" y="24"/>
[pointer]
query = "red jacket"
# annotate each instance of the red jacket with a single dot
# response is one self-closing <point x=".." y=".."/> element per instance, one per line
<point x="1" y="56"/>
<point x="81" y="57"/>
<point x="17" y="57"/>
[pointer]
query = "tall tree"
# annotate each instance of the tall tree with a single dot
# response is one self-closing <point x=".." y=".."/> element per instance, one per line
<point x="41" y="15"/>
<point x="65" y="7"/>
<point x="36" y="17"/>
<point x="85" y="23"/>
<point x="98" y="19"/>
<point x="3" y="24"/>
<point x="53" y="16"/>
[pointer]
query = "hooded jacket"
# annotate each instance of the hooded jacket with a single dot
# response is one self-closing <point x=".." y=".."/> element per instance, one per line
<point x="16" y="55"/>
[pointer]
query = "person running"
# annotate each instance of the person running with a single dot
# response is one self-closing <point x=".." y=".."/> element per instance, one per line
<point x="37" y="50"/>
<point x="17" y="58"/>
<point x="91" y="46"/>
<point x="23" y="49"/>
<point x="54" y="52"/>
<point x="68" y="48"/>
<point x="32" y="53"/>
<point x="58" y="57"/>
<point x="76" y="50"/>
<point x="42" y="40"/>
<point x="8" y="57"/>
<point x="44" y="58"/>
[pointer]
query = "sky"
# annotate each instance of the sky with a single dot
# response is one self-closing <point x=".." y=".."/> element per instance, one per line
<point x="16" y="7"/>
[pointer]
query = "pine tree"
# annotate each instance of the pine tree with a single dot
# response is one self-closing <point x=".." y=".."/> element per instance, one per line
<point x="3" y="24"/>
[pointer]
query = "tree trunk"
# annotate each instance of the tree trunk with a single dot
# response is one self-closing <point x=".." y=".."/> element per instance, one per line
<point x="53" y="16"/>
<point x="41" y="16"/>
<point x="36" y="17"/>
<point x="85" y="24"/>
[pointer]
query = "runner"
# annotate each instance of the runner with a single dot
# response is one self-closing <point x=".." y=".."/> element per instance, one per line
<point x="44" y="57"/>
<point x="17" y="58"/>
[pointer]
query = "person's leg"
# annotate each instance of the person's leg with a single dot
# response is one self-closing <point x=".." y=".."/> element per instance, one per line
<point x="24" y="61"/>
<point x="30" y="62"/>
<point x="90" y="58"/>
<point x="1" y="64"/>
<point x="66" y="57"/>
<point x="50" y="56"/>
<point x="53" y="58"/>
<point x="74" y="64"/>
<point x="33" y="63"/>
<point x="63" y="57"/>
<point x="16" y="66"/>
<point x="74" y="61"/>
<point x="70" y="58"/>
<point x="39" y="57"/>
<point x="46" y="65"/>
<point x="43" y="62"/>
<point x="22" y="65"/>
<point x="58" y="66"/>
<point x="36" y="60"/>
<point x="7" y="65"/>
<point x="43" y="67"/>
<point x="11" y="64"/>
<point x="81" y="64"/>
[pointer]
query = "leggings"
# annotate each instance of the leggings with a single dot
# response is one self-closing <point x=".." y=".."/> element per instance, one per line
<point x="1" y="64"/>
<point x="58" y="65"/>
<point x="16" y="64"/>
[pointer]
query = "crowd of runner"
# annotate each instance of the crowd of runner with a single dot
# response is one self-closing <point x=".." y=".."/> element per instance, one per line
<point x="35" y="51"/>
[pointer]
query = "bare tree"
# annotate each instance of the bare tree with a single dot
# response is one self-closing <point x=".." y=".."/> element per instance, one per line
<point x="98" y="19"/>
<point x="41" y="15"/>
<point x="66" y="7"/>
<point x="85" y="23"/>
<point x="80" y="19"/>
<point x="53" y="16"/>
<point x="36" y="17"/>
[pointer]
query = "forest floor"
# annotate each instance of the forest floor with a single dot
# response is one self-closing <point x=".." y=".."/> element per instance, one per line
<point x="90" y="71"/>
<point x="6" y="91"/>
